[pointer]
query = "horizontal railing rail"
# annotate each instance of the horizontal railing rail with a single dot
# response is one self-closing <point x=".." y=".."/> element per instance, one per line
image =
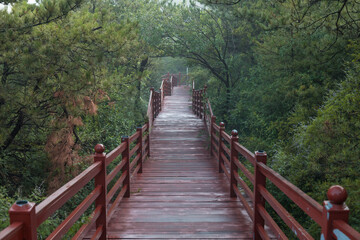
<point x="156" y="99"/>
<point x="332" y="216"/>
<point x="26" y="217"/>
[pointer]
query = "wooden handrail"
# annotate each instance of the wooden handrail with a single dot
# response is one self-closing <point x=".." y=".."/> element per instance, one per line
<point x="14" y="231"/>
<point x="25" y="217"/>
<point x="156" y="99"/>
<point x="332" y="216"/>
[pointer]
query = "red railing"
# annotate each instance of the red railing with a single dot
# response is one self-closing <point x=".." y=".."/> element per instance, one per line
<point x="25" y="217"/>
<point x="156" y="99"/>
<point x="332" y="217"/>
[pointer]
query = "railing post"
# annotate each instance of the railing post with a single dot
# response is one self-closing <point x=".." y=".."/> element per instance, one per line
<point x="179" y="81"/>
<point x="200" y="103"/>
<point x="197" y="103"/>
<point x="140" y="150"/>
<point x="334" y="209"/>
<point x="24" y="212"/>
<point x="100" y="179"/>
<point x="148" y="138"/>
<point x="260" y="180"/>
<point x="213" y="119"/>
<point x="233" y="166"/>
<point x="153" y="106"/>
<point x="193" y="98"/>
<point x="204" y="102"/>
<point x="171" y="84"/>
<point x="162" y="95"/>
<point x="222" y="129"/>
<point x="126" y="155"/>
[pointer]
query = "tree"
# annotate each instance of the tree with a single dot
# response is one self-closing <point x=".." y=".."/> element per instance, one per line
<point x="56" y="70"/>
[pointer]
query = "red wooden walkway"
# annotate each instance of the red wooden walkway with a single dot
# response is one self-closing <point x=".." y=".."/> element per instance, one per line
<point x="180" y="193"/>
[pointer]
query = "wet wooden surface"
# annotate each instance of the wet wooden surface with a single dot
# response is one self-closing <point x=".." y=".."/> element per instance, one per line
<point x="180" y="194"/>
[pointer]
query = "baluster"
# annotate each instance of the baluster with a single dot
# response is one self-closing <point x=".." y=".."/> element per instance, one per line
<point x="171" y="85"/>
<point x="179" y="81"/>
<point x="161" y="98"/>
<point x="100" y="179"/>
<point x="200" y="103"/>
<point x="196" y="99"/>
<point x="197" y="102"/>
<point x="260" y="180"/>
<point x="152" y="104"/>
<point x="204" y="102"/>
<point x="221" y="161"/>
<point x="24" y="212"/>
<point x="193" y="100"/>
<point x="126" y="155"/>
<point x="334" y="209"/>
<point x="148" y="137"/>
<point x="212" y="132"/>
<point x="157" y="103"/>
<point x="140" y="150"/>
<point x="233" y="167"/>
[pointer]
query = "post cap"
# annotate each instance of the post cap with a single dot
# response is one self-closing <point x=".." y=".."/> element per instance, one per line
<point x="151" y="89"/>
<point x="234" y="133"/>
<point x="21" y="206"/>
<point x="99" y="148"/>
<point x="260" y="153"/>
<point x="337" y="194"/>
<point x="222" y="124"/>
<point x="124" y="137"/>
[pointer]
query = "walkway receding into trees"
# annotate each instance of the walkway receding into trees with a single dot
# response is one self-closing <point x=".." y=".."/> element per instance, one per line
<point x="180" y="193"/>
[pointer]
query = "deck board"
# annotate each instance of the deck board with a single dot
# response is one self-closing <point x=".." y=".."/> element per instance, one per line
<point x="180" y="194"/>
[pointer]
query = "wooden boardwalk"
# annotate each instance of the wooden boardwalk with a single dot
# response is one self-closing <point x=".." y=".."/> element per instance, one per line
<point x="180" y="194"/>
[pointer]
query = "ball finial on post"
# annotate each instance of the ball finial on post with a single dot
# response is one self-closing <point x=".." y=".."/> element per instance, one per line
<point x="222" y="124"/>
<point x="99" y="148"/>
<point x="337" y="194"/>
<point x="234" y="133"/>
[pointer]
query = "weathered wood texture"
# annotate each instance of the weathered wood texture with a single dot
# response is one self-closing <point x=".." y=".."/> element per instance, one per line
<point x="180" y="193"/>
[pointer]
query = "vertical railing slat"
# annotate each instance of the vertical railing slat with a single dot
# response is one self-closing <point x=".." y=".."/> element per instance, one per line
<point x="233" y="159"/>
<point x="140" y="150"/>
<point x="126" y="155"/>
<point x="221" y="161"/>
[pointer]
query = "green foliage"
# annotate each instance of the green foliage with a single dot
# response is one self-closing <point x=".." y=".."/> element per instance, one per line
<point x="76" y="73"/>
<point x="72" y="74"/>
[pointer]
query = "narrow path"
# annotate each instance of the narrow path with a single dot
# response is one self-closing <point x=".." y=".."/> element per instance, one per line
<point x="180" y="193"/>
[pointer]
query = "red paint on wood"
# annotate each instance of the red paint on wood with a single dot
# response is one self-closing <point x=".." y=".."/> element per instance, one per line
<point x="126" y="157"/>
<point x="260" y="181"/>
<point x="24" y="212"/>
<point x="220" y="151"/>
<point x="100" y="180"/>
<point x="334" y="210"/>
<point x="233" y="159"/>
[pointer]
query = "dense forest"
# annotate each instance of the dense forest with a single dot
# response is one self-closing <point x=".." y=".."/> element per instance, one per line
<point x="284" y="73"/>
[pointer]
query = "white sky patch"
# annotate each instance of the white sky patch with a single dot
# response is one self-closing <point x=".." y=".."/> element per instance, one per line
<point x="8" y="7"/>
